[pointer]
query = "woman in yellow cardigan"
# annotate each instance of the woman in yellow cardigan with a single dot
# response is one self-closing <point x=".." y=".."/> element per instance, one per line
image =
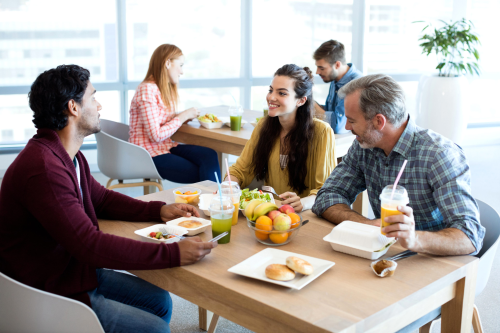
<point x="292" y="151"/>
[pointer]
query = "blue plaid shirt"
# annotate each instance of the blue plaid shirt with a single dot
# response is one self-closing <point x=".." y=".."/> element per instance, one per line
<point x="437" y="178"/>
<point x="334" y="106"/>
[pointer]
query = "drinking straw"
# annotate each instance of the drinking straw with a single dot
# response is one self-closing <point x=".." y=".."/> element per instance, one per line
<point x="229" y="178"/>
<point x="220" y="190"/>
<point x="397" y="178"/>
<point x="234" y="99"/>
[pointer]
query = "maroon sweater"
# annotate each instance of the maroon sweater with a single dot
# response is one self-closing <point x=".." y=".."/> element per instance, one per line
<point x="49" y="235"/>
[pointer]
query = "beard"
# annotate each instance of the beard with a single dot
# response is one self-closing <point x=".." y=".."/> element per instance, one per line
<point x="369" y="138"/>
<point x="332" y="77"/>
<point x="89" y="126"/>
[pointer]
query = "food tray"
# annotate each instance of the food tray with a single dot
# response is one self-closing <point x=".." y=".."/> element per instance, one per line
<point x="191" y="231"/>
<point x="358" y="239"/>
<point x="170" y="229"/>
<point x="212" y="125"/>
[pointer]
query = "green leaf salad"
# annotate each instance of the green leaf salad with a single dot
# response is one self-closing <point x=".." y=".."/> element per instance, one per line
<point x="247" y="196"/>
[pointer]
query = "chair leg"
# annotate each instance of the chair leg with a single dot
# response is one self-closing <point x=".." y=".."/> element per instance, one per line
<point x="146" y="188"/>
<point x="476" y="321"/>
<point x="213" y="323"/>
<point x="426" y="328"/>
<point x="109" y="182"/>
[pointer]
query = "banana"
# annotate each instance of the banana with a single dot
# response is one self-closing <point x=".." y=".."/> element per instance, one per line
<point x="251" y="206"/>
<point x="263" y="209"/>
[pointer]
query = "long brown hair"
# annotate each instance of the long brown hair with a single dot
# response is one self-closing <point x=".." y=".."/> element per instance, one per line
<point x="159" y="74"/>
<point x="297" y="141"/>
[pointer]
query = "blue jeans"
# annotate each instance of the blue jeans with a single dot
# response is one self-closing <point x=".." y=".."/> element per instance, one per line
<point x="188" y="164"/>
<point x="125" y="303"/>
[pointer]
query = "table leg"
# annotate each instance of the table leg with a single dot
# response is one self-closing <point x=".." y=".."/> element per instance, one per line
<point x="222" y="163"/>
<point x="361" y="203"/>
<point x="457" y="313"/>
<point x="205" y="318"/>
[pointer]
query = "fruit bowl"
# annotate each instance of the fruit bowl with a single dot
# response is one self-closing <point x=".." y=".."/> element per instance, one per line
<point x="193" y="198"/>
<point x="274" y="237"/>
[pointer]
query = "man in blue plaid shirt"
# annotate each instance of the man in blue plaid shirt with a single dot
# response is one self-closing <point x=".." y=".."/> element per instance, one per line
<point x="442" y="217"/>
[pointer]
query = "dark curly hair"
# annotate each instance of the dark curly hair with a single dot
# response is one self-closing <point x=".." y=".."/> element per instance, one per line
<point x="51" y="92"/>
<point x="297" y="141"/>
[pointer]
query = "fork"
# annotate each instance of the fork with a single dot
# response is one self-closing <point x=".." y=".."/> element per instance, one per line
<point x="215" y="239"/>
<point x="165" y="233"/>
<point x="402" y="255"/>
<point x="269" y="189"/>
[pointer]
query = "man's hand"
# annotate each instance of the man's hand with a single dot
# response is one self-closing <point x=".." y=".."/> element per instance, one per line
<point x="170" y="212"/>
<point x="292" y="199"/>
<point x="403" y="228"/>
<point x="193" y="249"/>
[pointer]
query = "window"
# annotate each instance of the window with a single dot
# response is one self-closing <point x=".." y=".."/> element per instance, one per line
<point x="207" y="32"/>
<point x="285" y="32"/>
<point x="16" y="125"/>
<point x="391" y="40"/>
<point x="38" y="35"/>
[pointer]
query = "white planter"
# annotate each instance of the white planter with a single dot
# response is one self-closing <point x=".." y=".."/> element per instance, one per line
<point x="443" y="105"/>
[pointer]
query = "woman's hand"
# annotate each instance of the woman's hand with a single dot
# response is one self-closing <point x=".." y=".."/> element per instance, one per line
<point x="292" y="199"/>
<point x="189" y="114"/>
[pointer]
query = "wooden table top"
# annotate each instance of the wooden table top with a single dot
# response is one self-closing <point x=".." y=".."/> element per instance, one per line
<point x="346" y="298"/>
<point x="224" y="134"/>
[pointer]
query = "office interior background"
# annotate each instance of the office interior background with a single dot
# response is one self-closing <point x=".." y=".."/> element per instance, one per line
<point x="232" y="48"/>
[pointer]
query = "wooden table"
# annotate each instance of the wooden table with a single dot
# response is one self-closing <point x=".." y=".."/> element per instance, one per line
<point x="225" y="141"/>
<point x="347" y="298"/>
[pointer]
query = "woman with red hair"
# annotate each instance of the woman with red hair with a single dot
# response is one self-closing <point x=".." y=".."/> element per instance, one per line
<point x="153" y="121"/>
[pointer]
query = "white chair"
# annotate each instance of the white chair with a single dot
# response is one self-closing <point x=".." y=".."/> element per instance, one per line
<point x="491" y="221"/>
<point x="119" y="159"/>
<point x="26" y="309"/>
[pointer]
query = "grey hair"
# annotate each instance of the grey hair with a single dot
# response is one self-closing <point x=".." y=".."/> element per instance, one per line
<point x="379" y="94"/>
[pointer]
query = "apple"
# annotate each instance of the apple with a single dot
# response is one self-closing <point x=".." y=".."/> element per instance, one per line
<point x="272" y="214"/>
<point x="286" y="209"/>
<point x="282" y="222"/>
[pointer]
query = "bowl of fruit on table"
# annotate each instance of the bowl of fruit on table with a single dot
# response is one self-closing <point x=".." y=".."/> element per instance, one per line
<point x="210" y="121"/>
<point x="271" y="225"/>
<point x="187" y="195"/>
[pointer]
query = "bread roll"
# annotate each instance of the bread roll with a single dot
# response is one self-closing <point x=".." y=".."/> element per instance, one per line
<point x="279" y="272"/>
<point x="299" y="265"/>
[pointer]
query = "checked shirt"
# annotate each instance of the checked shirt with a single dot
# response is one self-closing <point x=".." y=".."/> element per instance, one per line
<point x="437" y="178"/>
<point x="151" y="122"/>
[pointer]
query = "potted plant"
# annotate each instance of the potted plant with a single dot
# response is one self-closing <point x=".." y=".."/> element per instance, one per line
<point x="443" y="99"/>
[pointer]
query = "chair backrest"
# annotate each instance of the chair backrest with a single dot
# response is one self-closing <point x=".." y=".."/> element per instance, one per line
<point x="26" y="309"/>
<point x="113" y="128"/>
<point x="491" y="221"/>
<point x="119" y="159"/>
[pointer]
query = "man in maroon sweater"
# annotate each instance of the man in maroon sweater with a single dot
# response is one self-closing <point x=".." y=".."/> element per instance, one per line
<point x="49" y="206"/>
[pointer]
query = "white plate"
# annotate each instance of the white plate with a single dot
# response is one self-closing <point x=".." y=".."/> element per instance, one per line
<point x="191" y="231"/>
<point x="211" y="125"/>
<point x="170" y="229"/>
<point x="227" y="121"/>
<point x="255" y="267"/>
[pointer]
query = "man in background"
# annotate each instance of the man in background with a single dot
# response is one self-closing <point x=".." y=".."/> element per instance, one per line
<point x="332" y="67"/>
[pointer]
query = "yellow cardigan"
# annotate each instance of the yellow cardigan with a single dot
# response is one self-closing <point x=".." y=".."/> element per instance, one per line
<point x="320" y="161"/>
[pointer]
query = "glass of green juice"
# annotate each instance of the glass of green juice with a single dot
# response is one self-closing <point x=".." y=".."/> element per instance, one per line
<point x="221" y="215"/>
<point x="235" y="114"/>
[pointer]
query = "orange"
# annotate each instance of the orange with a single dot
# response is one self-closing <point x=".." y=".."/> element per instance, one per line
<point x="279" y="238"/>
<point x="261" y="235"/>
<point x="264" y="223"/>
<point x="295" y="221"/>
<point x="294" y="217"/>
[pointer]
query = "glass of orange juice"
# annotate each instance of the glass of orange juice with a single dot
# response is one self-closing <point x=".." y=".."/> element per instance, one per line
<point x="389" y="206"/>
<point x="234" y="194"/>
